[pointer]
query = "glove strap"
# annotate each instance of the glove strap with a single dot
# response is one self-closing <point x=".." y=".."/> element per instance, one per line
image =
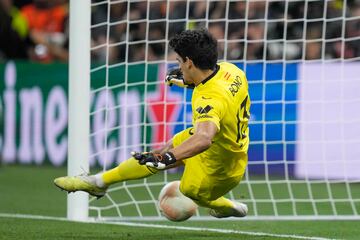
<point x="168" y="158"/>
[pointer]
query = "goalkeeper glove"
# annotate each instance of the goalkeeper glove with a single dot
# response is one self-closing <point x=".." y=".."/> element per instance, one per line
<point x="155" y="160"/>
<point x="176" y="77"/>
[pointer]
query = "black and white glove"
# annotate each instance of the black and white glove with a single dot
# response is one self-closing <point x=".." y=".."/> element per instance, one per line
<point x="155" y="160"/>
<point x="176" y="77"/>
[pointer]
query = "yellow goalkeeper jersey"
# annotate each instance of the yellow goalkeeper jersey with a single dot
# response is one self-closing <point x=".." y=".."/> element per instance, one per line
<point x="223" y="99"/>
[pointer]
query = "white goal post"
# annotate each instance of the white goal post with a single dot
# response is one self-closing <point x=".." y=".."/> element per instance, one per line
<point x="302" y="60"/>
<point x="79" y="103"/>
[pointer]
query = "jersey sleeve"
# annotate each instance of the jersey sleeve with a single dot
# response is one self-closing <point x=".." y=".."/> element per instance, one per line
<point x="208" y="108"/>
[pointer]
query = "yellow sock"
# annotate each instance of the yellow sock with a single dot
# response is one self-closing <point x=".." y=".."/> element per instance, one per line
<point x="127" y="170"/>
<point x="221" y="204"/>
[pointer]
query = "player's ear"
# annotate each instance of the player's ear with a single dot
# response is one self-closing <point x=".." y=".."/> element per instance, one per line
<point x="189" y="62"/>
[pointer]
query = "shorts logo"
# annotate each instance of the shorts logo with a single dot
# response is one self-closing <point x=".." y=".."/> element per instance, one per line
<point x="204" y="110"/>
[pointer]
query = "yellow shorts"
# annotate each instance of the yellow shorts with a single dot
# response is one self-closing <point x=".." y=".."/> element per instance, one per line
<point x="195" y="183"/>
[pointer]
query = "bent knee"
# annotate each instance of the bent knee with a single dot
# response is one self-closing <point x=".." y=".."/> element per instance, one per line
<point x="189" y="191"/>
<point x="195" y="194"/>
<point x="184" y="189"/>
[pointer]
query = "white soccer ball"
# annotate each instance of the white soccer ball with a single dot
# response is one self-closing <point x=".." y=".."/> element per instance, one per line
<point x="174" y="205"/>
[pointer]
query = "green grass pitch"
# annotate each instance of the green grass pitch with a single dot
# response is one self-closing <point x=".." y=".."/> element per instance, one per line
<point x="29" y="191"/>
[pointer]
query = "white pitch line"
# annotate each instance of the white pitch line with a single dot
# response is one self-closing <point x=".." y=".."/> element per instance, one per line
<point x="133" y="224"/>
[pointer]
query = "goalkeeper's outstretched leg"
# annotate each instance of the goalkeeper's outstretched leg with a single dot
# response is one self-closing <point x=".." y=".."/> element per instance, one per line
<point x="86" y="183"/>
<point x="96" y="185"/>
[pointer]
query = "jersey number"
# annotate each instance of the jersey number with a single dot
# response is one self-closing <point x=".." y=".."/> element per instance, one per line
<point x="241" y="115"/>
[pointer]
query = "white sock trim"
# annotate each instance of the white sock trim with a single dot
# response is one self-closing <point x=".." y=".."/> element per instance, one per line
<point x="99" y="180"/>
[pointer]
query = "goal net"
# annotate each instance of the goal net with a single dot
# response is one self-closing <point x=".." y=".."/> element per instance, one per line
<point x="301" y="59"/>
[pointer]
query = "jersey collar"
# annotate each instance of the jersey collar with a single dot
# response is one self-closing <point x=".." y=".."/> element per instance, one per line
<point x="217" y="67"/>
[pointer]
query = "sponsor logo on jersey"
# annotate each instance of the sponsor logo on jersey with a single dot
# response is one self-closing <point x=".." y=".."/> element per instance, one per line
<point x="204" y="110"/>
<point x="204" y="116"/>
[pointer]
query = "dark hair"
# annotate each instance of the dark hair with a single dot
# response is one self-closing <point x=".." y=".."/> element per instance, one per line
<point x="197" y="45"/>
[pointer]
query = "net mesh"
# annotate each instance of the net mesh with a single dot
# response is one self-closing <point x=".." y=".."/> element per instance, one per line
<point x="301" y="59"/>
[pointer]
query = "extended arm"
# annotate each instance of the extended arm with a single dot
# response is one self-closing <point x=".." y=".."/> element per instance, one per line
<point x="170" y="157"/>
<point x="197" y="143"/>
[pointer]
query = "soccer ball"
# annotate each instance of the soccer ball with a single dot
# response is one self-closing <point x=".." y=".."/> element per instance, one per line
<point x="174" y="205"/>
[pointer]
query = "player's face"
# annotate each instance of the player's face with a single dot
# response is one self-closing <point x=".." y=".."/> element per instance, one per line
<point x="184" y="67"/>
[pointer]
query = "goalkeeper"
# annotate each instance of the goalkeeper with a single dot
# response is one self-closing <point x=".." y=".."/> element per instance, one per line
<point x="214" y="150"/>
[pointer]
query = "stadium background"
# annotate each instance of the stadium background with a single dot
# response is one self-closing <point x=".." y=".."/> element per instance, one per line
<point x="35" y="43"/>
<point x="23" y="144"/>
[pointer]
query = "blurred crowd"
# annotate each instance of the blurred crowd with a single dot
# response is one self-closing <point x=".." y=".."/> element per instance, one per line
<point x="35" y="30"/>
<point x="138" y="30"/>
